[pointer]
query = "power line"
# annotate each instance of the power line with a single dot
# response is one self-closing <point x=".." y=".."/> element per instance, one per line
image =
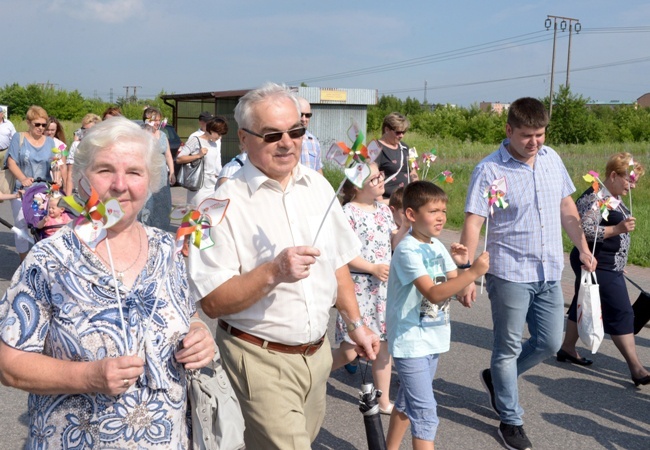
<point x="521" y="77"/>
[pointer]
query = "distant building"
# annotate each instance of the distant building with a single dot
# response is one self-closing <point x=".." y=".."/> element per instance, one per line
<point x="611" y="103"/>
<point x="496" y="107"/>
<point x="333" y="109"/>
<point x="644" y="101"/>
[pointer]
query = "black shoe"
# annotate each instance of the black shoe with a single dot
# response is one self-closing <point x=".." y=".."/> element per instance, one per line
<point x="486" y="380"/>
<point x="643" y="380"/>
<point x="563" y="356"/>
<point x="514" y="437"/>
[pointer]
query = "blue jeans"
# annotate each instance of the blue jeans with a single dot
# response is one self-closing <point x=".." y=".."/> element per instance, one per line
<point x="541" y="306"/>
<point x="415" y="394"/>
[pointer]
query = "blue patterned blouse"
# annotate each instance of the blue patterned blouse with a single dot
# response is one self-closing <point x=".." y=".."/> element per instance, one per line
<point x="62" y="303"/>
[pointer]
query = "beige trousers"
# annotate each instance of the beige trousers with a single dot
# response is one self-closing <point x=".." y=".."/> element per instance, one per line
<point x="282" y="396"/>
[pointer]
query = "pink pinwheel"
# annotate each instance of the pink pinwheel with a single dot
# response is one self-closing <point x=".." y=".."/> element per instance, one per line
<point x="427" y="159"/>
<point x="633" y="178"/>
<point x="196" y="223"/>
<point x="413" y="158"/>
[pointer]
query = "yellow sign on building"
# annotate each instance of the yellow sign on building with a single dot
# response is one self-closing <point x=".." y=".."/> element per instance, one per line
<point x="332" y="95"/>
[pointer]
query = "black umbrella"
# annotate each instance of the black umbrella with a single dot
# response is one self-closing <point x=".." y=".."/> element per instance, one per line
<point x="369" y="407"/>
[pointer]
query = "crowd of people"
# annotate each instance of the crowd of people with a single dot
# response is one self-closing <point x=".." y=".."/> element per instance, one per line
<point x="100" y="322"/>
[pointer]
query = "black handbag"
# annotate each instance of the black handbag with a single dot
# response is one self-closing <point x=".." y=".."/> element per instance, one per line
<point x="190" y="175"/>
<point x="641" y="308"/>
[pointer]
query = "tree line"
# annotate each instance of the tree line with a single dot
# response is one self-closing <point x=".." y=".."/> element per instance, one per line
<point x="574" y="120"/>
<point x="70" y="105"/>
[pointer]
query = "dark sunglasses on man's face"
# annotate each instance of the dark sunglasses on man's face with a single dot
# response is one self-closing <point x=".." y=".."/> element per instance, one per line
<point x="275" y="136"/>
<point x="307" y="115"/>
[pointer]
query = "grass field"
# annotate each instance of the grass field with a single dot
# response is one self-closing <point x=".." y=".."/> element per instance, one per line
<point x="461" y="158"/>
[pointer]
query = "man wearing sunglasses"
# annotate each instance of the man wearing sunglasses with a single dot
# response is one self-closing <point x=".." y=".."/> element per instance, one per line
<point x="270" y="284"/>
<point x="311" y="154"/>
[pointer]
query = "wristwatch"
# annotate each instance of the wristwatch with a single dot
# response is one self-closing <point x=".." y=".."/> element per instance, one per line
<point x="354" y="325"/>
<point x="464" y="266"/>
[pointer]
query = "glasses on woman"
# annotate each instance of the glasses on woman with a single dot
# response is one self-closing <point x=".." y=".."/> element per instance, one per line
<point x="374" y="181"/>
<point x="398" y="132"/>
<point x="39" y="125"/>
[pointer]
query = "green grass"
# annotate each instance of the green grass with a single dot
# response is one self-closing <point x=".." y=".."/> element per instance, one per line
<point x="461" y="158"/>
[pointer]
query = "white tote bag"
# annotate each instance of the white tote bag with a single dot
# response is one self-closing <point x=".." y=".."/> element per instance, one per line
<point x="590" y="316"/>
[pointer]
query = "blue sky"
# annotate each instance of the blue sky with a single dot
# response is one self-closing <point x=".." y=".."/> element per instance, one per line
<point x="194" y="46"/>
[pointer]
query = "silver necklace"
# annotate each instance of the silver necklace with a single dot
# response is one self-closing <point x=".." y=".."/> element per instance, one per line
<point x="120" y="273"/>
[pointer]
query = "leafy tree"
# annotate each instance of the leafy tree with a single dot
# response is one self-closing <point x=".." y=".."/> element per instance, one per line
<point x="572" y="122"/>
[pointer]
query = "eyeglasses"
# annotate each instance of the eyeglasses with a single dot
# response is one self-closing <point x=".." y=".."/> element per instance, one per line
<point x="39" y="125"/>
<point x="374" y="181"/>
<point x="307" y="115"/>
<point x="275" y="136"/>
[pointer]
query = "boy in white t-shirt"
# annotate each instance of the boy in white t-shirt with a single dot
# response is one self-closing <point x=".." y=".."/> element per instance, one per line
<point x="423" y="277"/>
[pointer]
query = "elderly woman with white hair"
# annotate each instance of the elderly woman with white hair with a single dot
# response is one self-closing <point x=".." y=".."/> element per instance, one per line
<point x="100" y="329"/>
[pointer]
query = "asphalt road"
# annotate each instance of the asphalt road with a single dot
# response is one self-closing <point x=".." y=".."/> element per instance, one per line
<point x="567" y="407"/>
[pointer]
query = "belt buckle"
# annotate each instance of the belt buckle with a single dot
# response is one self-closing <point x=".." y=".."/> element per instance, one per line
<point x="312" y="346"/>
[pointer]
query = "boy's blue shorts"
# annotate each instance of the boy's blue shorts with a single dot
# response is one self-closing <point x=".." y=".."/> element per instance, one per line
<point x="415" y="394"/>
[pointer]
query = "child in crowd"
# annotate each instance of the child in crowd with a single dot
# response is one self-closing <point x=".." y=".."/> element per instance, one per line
<point x="56" y="217"/>
<point x="422" y="279"/>
<point x="403" y="225"/>
<point x="373" y="223"/>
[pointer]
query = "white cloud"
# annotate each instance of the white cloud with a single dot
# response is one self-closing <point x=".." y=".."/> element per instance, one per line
<point x="108" y="11"/>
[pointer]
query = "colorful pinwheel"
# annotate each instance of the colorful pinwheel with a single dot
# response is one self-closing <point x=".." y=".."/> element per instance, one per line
<point x="427" y="159"/>
<point x="445" y="177"/>
<point x="58" y="153"/>
<point x="592" y="178"/>
<point x="605" y="204"/>
<point x="196" y="223"/>
<point x="95" y="216"/>
<point x="413" y="158"/>
<point x="495" y="193"/>
<point x="358" y="154"/>
<point x="633" y="177"/>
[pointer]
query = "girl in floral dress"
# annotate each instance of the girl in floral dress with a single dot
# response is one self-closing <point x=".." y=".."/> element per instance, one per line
<point x="373" y="223"/>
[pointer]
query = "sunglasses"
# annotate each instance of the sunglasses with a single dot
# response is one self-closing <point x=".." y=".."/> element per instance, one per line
<point x="307" y="115"/>
<point x="275" y="136"/>
<point x="39" y="125"/>
<point x="374" y="181"/>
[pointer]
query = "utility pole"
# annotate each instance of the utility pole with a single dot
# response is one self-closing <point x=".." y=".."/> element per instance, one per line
<point x="425" y="92"/>
<point x="563" y="25"/>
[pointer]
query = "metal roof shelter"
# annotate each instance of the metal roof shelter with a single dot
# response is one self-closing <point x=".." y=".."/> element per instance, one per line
<point x="333" y="109"/>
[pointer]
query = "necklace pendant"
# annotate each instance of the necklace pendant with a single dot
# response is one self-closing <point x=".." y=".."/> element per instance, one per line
<point x="120" y="276"/>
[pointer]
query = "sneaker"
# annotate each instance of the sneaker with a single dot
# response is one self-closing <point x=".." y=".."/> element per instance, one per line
<point x="352" y="367"/>
<point x="486" y="380"/>
<point x="514" y="437"/>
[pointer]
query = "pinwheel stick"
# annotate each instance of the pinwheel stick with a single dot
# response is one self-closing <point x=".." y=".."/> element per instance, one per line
<point x="487" y="222"/>
<point x="630" y="194"/>
<point x="336" y="195"/>
<point x="426" y="171"/>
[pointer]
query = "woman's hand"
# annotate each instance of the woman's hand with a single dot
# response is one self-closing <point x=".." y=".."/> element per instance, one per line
<point x="204" y="151"/>
<point x="114" y="376"/>
<point x="459" y="253"/>
<point x="625" y="226"/>
<point x="198" y="347"/>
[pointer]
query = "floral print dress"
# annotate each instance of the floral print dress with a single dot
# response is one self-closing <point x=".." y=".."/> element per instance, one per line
<point x="62" y="303"/>
<point x="373" y="228"/>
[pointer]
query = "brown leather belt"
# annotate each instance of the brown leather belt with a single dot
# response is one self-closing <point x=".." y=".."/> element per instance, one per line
<point x="305" y="349"/>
